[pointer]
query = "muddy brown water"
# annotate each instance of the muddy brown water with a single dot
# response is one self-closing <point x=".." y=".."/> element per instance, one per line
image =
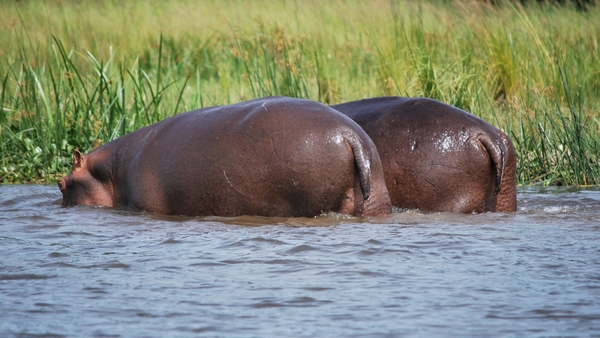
<point x="100" y="272"/>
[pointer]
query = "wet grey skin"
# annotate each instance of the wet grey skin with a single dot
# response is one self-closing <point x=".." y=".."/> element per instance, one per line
<point x="437" y="157"/>
<point x="274" y="156"/>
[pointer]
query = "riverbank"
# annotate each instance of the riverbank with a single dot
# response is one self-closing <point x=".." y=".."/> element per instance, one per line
<point x="75" y="75"/>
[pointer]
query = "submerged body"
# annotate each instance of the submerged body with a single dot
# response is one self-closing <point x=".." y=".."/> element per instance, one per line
<point x="270" y="157"/>
<point x="437" y="157"/>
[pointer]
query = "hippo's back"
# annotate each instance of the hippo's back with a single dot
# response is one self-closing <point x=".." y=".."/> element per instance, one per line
<point x="436" y="157"/>
<point x="271" y="157"/>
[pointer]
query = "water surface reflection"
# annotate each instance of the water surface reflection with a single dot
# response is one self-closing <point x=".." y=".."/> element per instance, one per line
<point x="88" y="271"/>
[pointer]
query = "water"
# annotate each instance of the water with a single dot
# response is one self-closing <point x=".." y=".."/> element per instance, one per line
<point x="85" y="271"/>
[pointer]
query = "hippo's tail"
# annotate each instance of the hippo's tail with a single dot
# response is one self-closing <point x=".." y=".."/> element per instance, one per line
<point x="497" y="152"/>
<point x="362" y="159"/>
<point x="506" y="200"/>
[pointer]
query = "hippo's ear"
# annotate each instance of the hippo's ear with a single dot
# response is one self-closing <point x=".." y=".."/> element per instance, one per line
<point x="78" y="159"/>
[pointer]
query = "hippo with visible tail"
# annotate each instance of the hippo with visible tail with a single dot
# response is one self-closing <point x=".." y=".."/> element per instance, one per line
<point x="274" y="156"/>
<point x="437" y="157"/>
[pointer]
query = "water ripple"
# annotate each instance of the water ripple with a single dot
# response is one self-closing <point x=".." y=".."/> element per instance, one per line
<point x="122" y="272"/>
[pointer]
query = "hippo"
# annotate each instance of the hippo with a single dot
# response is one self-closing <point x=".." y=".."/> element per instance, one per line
<point x="274" y="156"/>
<point x="436" y="157"/>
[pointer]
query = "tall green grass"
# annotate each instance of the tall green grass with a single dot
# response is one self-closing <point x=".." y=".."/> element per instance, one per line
<point x="75" y="75"/>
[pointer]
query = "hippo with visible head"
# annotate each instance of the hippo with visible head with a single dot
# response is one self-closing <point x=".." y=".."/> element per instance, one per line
<point x="274" y="156"/>
<point x="437" y="157"/>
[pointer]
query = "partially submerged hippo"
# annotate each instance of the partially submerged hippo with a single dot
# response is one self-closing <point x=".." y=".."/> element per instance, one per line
<point x="437" y="157"/>
<point x="272" y="157"/>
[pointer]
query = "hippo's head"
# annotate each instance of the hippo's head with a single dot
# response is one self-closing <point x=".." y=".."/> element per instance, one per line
<point x="84" y="185"/>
